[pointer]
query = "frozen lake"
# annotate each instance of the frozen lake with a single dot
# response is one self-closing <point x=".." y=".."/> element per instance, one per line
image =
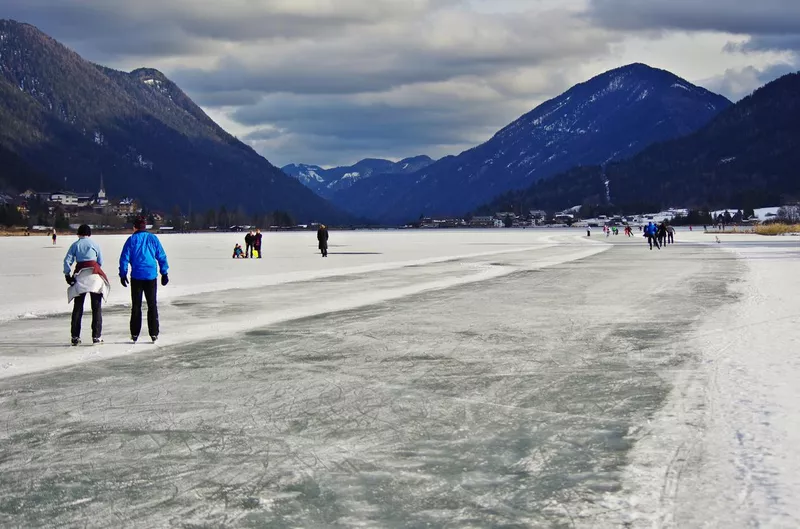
<point x="476" y="378"/>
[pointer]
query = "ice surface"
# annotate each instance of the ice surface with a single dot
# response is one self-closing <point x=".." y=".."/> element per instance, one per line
<point x="445" y="378"/>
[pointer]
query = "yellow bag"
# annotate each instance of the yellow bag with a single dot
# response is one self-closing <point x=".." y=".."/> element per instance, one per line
<point x="255" y="254"/>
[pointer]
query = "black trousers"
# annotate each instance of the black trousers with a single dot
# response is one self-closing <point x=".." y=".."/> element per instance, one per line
<point x="97" y="315"/>
<point x="670" y="238"/>
<point x="248" y="252"/>
<point x="149" y="288"/>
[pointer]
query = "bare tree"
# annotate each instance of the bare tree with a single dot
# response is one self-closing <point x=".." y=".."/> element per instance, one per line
<point x="790" y="214"/>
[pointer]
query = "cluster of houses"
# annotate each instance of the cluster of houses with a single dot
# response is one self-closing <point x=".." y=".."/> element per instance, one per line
<point x="501" y="219"/>
<point x="71" y="205"/>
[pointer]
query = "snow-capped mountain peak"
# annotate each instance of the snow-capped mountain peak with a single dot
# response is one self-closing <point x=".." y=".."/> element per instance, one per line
<point x="327" y="182"/>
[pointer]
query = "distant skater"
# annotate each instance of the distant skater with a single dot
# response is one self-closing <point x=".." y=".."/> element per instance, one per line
<point x="322" y="238"/>
<point x="88" y="278"/>
<point x="588" y="231"/>
<point x="661" y="234"/>
<point x="54" y="236"/>
<point x="257" y="242"/>
<point x="670" y="235"/>
<point x="146" y="257"/>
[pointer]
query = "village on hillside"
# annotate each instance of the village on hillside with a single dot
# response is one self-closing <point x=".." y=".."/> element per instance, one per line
<point x="63" y="209"/>
<point x="41" y="211"/>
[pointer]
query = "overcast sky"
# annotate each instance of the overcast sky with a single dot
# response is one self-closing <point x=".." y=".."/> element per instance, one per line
<point x="332" y="81"/>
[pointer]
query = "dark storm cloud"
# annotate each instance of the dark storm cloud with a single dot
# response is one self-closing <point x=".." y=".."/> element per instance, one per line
<point x="331" y="125"/>
<point x="776" y="17"/>
<point x="163" y="28"/>
<point x="769" y="43"/>
<point x="223" y="98"/>
<point x="308" y="74"/>
<point x="262" y="134"/>
<point x="351" y="120"/>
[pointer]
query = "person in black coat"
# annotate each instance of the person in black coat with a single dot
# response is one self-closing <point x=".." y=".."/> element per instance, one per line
<point x="322" y="237"/>
<point x="248" y="244"/>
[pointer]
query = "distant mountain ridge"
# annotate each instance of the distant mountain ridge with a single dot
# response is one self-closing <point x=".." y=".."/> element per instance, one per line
<point x="746" y="157"/>
<point x="68" y="119"/>
<point x="610" y="117"/>
<point x="328" y="182"/>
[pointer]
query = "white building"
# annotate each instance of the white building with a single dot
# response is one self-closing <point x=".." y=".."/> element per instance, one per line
<point x="66" y="198"/>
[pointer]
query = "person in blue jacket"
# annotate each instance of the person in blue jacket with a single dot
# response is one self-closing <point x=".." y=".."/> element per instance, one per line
<point x="146" y="257"/>
<point x="85" y="253"/>
<point x="651" y="231"/>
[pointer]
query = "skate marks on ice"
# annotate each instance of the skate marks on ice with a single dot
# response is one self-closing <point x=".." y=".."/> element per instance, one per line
<point x="199" y="317"/>
<point x="513" y="401"/>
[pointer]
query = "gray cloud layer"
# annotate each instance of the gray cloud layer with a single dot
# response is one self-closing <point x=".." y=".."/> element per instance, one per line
<point x="730" y="16"/>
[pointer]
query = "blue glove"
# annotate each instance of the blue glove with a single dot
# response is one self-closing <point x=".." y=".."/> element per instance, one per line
<point x="164" y="280"/>
<point x="124" y="281"/>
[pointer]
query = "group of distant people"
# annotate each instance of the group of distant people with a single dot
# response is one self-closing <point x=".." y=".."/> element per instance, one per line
<point x="252" y="243"/>
<point x="657" y="235"/>
<point x="142" y="254"/>
<point x="612" y="230"/>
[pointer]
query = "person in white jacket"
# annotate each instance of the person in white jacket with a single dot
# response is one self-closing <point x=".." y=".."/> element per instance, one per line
<point x="88" y="278"/>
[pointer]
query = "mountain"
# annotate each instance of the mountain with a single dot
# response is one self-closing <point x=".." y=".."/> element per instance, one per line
<point x="746" y="157"/>
<point x="71" y="120"/>
<point x="327" y="182"/>
<point x="609" y="117"/>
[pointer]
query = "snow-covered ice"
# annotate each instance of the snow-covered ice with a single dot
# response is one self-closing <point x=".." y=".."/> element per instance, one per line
<point x="464" y="378"/>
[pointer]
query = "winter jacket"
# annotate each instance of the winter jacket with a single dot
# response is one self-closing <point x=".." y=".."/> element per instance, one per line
<point x="84" y="249"/>
<point x="88" y="280"/>
<point x="143" y="251"/>
<point x="322" y="237"/>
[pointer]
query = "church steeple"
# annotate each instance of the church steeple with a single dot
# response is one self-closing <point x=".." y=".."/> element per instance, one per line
<point x="101" y="195"/>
